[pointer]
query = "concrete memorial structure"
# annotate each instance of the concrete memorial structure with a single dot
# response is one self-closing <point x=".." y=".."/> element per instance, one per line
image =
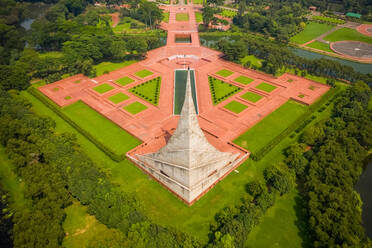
<point x="188" y="164"/>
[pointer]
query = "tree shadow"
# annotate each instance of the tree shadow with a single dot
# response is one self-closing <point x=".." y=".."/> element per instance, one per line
<point x="302" y="222"/>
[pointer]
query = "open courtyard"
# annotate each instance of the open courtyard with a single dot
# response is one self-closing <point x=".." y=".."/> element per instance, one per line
<point x="140" y="98"/>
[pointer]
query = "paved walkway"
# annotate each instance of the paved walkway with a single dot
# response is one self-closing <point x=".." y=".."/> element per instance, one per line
<point x="220" y="125"/>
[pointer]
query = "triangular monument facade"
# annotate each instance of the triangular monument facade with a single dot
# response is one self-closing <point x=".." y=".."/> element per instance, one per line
<point x="188" y="164"/>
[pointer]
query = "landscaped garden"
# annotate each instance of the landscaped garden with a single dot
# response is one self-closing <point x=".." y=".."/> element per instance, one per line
<point x="347" y="34"/>
<point x="311" y="31"/>
<point x="244" y="80"/>
<point x="124" y="81"/>
<point x="182" y="17"/>
<point x="106" y="67"/>
<point x="135" y="108"/>
<point x="235" y="107"/>
<point x="221" y="90"/>
<point x="143" y="73"/>
<point x="103" y="88"/>
<point x="118" y="98"/>
<point x="224" y="73"/>
<point x="198" y="17"/>
<point x="148" y="90"/>
<point x="320" y="46"/>
<point x="266" y="87"/>
<point x="252" y="97"/>
<point x="272" y="125"/>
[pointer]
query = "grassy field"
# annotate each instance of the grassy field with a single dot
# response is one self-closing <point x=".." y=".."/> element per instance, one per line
<point x="124" y="81"/>
<point x="328" y="19"/>
<point x="221" y="90"/>
<point x="149" y="91"/>
<point x="271" y="126"/>
<point x="129" y="25"/>
<point x="347" y="34"/>
<point x="243" y="79"/>
<point x="198" y="17"/>
<point x="194" y="219"/>
<point x="182" y="17"/>
<point x="252" y="59"/>
<point x="224" y="73"/>
<point x="228" y="13"/>
<point x="197" y="1"/>
<point x="311" y="31"/>
<point x="252" y="97"/>
<point x="135" y="108"/>
<point x="165" y="16"/>
<point x="266" y="87"/>
<point x="143" y="73"/>
<point x="106" y="67"/>
<point x="119" y="97"/>
<point x="80" y="227"/>
<point x="320" y="46"/>
<point x="274" y="225"/>
<point x="235" y="107"/>
<point x="103" y="88"/>
<point x="101" y="128"/>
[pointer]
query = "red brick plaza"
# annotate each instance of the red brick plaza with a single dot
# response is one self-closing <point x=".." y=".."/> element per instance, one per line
<point x="154" y="124"/>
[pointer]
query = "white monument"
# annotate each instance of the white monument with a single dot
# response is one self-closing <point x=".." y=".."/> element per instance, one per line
<point x="188" y="164"/>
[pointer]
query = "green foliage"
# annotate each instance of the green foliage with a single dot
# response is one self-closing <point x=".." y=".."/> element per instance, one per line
<point x="220" y="90"/>
<point x="335" y="163"/>
<point x="280" y="178"/>
<point x="327" y="19"/>
<point x="149" y="90"/>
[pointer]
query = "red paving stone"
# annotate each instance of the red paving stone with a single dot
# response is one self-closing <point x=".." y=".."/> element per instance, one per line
<point x="365" y="29"/>
<point x="156" y="123"/>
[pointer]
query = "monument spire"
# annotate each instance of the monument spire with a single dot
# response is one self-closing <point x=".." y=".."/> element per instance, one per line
<point x="188" y="160"/>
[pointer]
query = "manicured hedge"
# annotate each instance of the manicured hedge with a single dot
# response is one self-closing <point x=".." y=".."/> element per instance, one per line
<point x="55" y="109"/>
<point x="297" y="125"/>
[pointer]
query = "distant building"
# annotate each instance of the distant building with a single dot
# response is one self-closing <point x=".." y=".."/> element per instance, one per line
<point x="188" y="164"/>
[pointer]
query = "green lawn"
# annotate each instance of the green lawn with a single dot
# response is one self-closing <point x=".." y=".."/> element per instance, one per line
<point x="103" y="88"/>
<point x="224" y="73"/>
<point x="124" y="81"/>
<point x="311" y="31"/>
<point x="197" y="1"/>
<point x="182" y="17"/>
<point x="119" y="97"/>
<point x="320" y="46"/>
<point x="348" y="34"/>
<point x="266" y="87"/>
<point x="275" y="230"/>
<point x="271" y="126"/>
<point x="55" y="55"/>
<point x="149" y="91"/>
<point x="135" y="108"/>
<point x="143" y="73"/>
<point x="11" y="182"/>
<point x="112" y="136"/>
<point x="198" y="17"/>
<point x="165" y="16"/>
<point x="194" y="219"/>
<point x="121" y="27"/>
<point x="235" y="107"/>
<point x="228" y="13"/>
<point x="221" y="90"/>
<point x="80" y="227"/>
<point x="252" y="97"/>
<point x="106" y="67"/>
<point x="252" y="60"/>
<point x="244" y="80"/>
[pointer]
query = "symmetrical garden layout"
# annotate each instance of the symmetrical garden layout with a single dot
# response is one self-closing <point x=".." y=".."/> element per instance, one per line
<point x="140" y="98"/>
